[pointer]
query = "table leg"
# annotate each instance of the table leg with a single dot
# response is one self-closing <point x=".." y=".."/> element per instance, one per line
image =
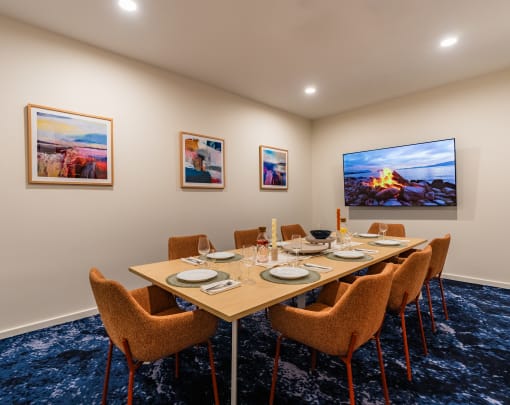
<point x="233" y="371"/>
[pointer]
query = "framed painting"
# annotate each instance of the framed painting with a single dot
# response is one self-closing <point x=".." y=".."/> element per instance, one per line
<point x="202" y="161"/>
<point x="273" y="168"/>
<point x="66" y="147"/>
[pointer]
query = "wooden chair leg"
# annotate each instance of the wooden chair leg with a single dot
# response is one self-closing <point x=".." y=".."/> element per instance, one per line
<point x="213" y="372"/>
<point x="347" y="360"/>
<point x="429" y="296"/>
<point x="177" y="365"/>
<point x="275" y="369"/>
<point x="381" y="366"/>
<point x="133" y="366"/>
<point x="423" y="340"/>
<point x="314" y="359"/>
<point x="404" y="336"/>
<point x="442" y="297"/>
<point x="107" y="373"/>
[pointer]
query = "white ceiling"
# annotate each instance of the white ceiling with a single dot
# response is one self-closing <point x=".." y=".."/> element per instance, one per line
<point x="356" y="52"/>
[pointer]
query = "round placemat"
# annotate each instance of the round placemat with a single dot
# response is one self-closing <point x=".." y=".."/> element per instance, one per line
<point x="173" y="280"/>
<point x="365" y="258"/>
<point x="235" y="258"/>
<point x="401" y="244"/>
<point x="310" y="278"/>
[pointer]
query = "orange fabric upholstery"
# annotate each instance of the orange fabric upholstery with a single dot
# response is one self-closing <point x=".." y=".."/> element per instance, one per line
<point x="397" y="230"/>
<point x="146" y="324"/>
<point x="184" y="246"/>
<point x="289" y="230"/>
<point x="344" y="317"/>
<point x="246" y="237"/>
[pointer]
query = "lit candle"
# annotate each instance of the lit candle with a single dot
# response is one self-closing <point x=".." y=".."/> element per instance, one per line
<point x="338" y="219"/>
<point x="273" y="232"/>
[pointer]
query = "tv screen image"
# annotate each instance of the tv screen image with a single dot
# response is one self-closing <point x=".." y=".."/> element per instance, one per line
<point x="421" y="174"/>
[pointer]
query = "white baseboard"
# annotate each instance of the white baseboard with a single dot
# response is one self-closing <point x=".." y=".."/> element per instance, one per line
<point x="475" y="280"/>
<point x="47" y="323"/>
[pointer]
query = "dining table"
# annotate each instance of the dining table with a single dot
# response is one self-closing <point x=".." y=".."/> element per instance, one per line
<point x="234" y="304"/>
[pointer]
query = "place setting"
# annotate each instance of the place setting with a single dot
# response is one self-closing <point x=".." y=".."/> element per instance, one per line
<point x="290" y="275"/>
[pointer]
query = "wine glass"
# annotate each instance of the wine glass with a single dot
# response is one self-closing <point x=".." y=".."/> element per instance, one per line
<point x="248" y="260"/>
<point x="383" y="228"/>
<point x="295" y="245"/>
<point x="204" y="247"/>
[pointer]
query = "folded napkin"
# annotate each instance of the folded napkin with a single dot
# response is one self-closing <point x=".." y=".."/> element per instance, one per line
<point x="219" y="286"/>
<point x="318" y="267"/>
<point x="192" y="260"/>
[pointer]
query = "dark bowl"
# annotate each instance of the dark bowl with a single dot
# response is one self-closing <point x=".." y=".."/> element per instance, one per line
<point x="320" y="233"/>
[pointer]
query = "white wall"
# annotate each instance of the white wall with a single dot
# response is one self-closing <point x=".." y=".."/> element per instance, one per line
<point x="477" y="113"/>
<point x="50" y="236"/>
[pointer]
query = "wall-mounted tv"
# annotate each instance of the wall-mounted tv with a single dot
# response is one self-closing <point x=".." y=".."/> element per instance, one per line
<point x="421" y="174"/>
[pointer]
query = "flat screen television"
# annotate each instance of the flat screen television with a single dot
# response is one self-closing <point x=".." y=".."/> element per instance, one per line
<point x="421" y="174"/>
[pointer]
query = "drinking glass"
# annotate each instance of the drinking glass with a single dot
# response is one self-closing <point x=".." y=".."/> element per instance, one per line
<point x="248" y="260"/>
<point x="347" y="239"/>
<point x="204" y="247"/>
<point x="296" y="245"/>
<point x="382" y="229"/>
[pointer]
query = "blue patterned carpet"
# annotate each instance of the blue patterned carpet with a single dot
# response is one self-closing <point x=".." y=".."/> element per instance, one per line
<point x="468" y="362"/>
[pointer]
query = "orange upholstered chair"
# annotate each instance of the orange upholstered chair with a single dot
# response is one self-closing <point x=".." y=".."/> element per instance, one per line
<point x="184" y="246"/>
<point x="245" y="237"/>
<point x="408" y="279"/>
<point x="289" y="230"/>
<point x="344" y="318"/>
<point x="397" y="230"/>
<point x="146" y="325"/>
<point x="439" y="252"/>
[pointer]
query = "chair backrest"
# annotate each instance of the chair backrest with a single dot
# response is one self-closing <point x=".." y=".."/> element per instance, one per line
<point x="122" y="316"/>
<point x="184" y="246"/>
<point x="439" y="252"/>
<point x="289" y="230"/>
<point x="245" y="237"/>
<point x="409" y="277"/>
<point x="360" y="310"/>
<point x="397" y="230"/>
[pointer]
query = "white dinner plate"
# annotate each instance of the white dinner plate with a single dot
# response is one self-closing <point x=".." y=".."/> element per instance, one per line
<point x="349" y="254"/>
<point x="368" y="235"/>
<point x="196" y="275"/>
<point x="306" y="248"/>
<point x="387" y="242"/>
<point x="220" y="255"/>
<point x="289" y="273"/>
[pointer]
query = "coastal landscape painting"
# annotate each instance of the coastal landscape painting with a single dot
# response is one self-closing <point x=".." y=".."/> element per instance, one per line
<point x="273" y="168"/>
<point x="66" y="147"/>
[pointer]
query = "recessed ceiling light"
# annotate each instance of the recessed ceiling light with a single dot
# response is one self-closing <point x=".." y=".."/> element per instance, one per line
<point x="448" y="41"/>
<point x="128" y="5"/>
<point x="310" y="90"/>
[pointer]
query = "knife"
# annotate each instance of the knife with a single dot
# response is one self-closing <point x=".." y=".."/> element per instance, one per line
<point x="317" y="266"/>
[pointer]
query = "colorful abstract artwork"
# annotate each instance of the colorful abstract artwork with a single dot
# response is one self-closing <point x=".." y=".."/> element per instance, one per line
<point x="69" y="148"/>
<point x="202" y="161"/>
<point x="273" y="168"/>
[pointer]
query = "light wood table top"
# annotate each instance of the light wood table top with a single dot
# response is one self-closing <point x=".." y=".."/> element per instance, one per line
<point x="239" y="302"/>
